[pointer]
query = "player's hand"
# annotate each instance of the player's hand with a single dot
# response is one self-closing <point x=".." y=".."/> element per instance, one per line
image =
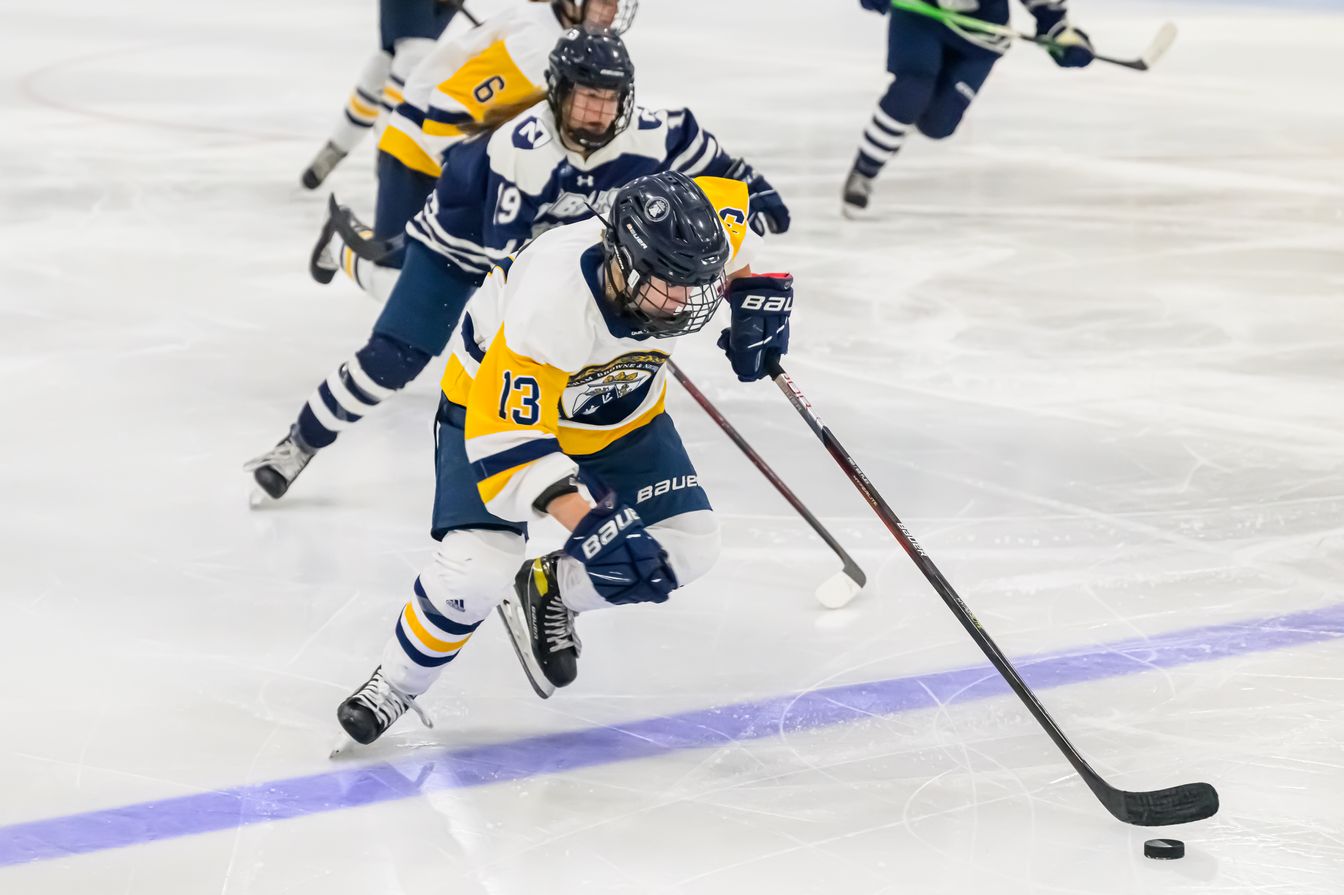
<point x="767" y="210"/>
<point x="876" y="5"/>
<point x="1075" y="48"/>
<point x="759" y="328"/>
<point x="624" y="562"/>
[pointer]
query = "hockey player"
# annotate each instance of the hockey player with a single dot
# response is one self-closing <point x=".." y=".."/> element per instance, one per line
<point x="465" y="84"/>
<point x="554" y="391"/>
<point x="937" y="70"/>
<point x="554" y="164"/>
<point x="407" y="30"/>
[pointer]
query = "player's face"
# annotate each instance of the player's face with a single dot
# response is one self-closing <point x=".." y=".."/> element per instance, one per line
<point x="661" y="299"/>
<point x="590" y="111"/>
<point x="599" y="14"/>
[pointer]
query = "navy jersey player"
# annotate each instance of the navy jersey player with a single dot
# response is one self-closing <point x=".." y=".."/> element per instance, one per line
<point x="467" y="83"/>
<point x="553" y="407"/>
<point x="556" y="163"/>
<point x="937" y="70"/>
<point x="407" y="30"/>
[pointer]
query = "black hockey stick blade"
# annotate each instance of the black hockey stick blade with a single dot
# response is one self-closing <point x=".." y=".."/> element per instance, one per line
<point x="1166" y="36"/>
<point x="359" y="240"/>
<point x="1162" y="807"/>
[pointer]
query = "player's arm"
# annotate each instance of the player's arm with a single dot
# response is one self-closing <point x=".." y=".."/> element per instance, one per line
<point x="1052" y="21"/>
<point x="696" y="152"/>
<point x="470" y="200"/>
<point x="760" y="303"/>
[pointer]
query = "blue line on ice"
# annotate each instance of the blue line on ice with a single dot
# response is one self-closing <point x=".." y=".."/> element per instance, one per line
<point x="457" y="768"/>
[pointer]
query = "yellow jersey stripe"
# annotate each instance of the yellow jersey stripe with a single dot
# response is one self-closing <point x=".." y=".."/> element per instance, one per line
<point x="408" y="152"/>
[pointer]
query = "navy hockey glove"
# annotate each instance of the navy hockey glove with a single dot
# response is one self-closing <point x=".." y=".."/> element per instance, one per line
<point x="1076" y="51"/>
<point x="876" y="5"/>
<point x="767" y="210"/>
<point x="624" y="562"/>
<point x="760" y="322"/>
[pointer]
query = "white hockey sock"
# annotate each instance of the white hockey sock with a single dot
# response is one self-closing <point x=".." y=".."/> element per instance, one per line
<point x="376" y="281"/>
<point x="363" y="107"/>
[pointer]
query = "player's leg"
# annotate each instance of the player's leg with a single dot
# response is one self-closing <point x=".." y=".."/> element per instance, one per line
<point x="401" y="194"/>
<point x="408" y="29"/>
<point x="469" y="573"/>
<point x="650" y="472"/>
<point x="914" y="57"/>
<point x="357" y="119"/>
<point x="963" y="74"/>
<point x="414" y="326"/>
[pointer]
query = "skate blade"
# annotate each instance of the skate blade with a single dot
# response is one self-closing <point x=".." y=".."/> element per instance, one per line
<point x="542" y="687"/>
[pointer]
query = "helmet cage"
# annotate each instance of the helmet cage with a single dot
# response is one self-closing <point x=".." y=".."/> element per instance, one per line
<point x="646" y="299"/>
<point x="597" y="60"/>
<point x="574" y="13"/>
<point x="558" y="95"/>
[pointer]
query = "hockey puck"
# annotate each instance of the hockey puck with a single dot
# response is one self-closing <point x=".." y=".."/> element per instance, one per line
<point x="1164" y="849"/>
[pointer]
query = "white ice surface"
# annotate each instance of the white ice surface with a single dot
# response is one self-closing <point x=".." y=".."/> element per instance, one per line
<point x="1091" y="352"/>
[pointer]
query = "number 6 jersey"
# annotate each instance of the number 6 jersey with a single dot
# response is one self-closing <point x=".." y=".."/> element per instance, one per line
<point x="546" y="367"/>
<point x="464" y="78"/>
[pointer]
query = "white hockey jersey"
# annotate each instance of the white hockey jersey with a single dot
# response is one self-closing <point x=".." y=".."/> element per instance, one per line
<point x="545" y="366"/>
<point x="499" y="64"/>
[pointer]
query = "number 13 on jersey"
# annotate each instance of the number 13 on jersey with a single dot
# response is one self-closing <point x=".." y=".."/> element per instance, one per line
<point x="520" y="399"/>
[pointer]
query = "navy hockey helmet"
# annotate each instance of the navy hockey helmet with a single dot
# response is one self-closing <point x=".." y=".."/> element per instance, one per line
<point x="597" y="60"/>
<point x="613" y="15"/>
<point x="665" y="238"/>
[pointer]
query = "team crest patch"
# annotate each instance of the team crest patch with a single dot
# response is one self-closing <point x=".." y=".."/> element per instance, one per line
<point x="606" y="395"/>
<point x="656" y="208"/>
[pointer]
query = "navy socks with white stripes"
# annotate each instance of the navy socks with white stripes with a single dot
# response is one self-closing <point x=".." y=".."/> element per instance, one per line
<point x="883" y="137"/>
<point x="381" y="367"/>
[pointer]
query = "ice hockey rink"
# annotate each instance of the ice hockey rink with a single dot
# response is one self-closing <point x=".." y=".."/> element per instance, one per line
<point x="1090" y="351"/>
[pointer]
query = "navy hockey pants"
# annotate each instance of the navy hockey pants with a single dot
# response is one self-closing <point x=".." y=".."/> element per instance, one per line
<point x="412" y="18"/>
<point x="937" y="73"/>
<point x="648" y="469"/>
<point x="402" y="192"/>
<point x="426" y="302"/>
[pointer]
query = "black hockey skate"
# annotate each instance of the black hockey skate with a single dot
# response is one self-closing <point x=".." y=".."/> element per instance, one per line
<point x="275" y="470"/>
<point x="541" y="627"/>
<point x="858" y="190"/>
<point x="326" y="160"/>
<point x="368" y="712"/>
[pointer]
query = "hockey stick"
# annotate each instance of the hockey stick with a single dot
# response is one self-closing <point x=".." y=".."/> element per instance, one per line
<point x="1162" y="42"/>
<point x="361" y="242"/>
<point x="1160" y="808"/>
<point x="841" y="587"/>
